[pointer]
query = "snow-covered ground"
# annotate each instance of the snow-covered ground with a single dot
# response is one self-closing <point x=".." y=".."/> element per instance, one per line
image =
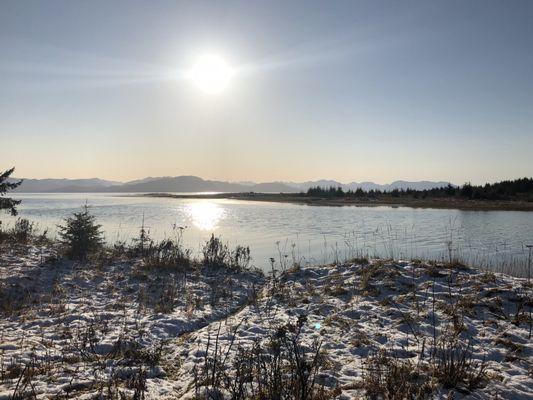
<point x="356" y="310"/>
<point x="119" y="329"/>
<point x="81" y="330"/>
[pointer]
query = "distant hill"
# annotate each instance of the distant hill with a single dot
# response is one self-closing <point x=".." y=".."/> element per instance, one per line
<point x="64" y="185"/>
<point x="188" y="183"/>
<point x="181" y="184"/>
<point x="195" y="184"/>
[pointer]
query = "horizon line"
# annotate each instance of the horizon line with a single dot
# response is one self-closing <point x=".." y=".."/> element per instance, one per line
<point x="288" y="182"/>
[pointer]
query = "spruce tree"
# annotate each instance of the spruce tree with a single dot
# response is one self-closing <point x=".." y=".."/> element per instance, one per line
<point x="6" y="203"/>
<point x="81" y="234"/>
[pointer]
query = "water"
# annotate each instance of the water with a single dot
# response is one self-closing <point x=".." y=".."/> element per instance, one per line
<point x="308" y="234"/>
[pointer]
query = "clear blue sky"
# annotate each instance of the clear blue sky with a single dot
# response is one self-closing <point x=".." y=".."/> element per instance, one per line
<point x="353" y="91"/>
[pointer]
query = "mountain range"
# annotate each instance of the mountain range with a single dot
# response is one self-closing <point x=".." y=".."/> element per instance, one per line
<point x="187" y="184"/>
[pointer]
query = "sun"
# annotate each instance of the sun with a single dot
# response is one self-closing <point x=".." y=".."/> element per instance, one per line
<point x="211" y="74"/>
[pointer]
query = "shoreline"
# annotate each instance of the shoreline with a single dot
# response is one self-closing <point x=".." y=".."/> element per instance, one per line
<point x="436" y="203"/>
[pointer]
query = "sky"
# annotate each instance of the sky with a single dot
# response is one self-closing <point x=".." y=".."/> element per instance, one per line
<point x="345" y="90"/>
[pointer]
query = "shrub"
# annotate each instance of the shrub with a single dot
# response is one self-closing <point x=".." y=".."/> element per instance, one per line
<point x="143" y="243"/>
<point x="280" y="367"/>
<point x="217" y="254"/>
<point x="455" y="366"/>
<point x="240" y="257"/>
<point x="389" y="378"/>
<point x="23" y="230"/>
<point x="81" y="234"/>
<point x="168" y="255"/>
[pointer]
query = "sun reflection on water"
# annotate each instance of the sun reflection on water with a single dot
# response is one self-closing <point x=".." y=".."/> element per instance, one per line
<point x="205" y="215"/>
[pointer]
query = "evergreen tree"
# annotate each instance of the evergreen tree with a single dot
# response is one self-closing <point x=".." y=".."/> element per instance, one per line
<point x="7" y="203"/>
<point x="81" y="234"/>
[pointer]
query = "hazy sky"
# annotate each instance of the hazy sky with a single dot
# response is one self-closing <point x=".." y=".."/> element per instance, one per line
<point x="349" y="90"/>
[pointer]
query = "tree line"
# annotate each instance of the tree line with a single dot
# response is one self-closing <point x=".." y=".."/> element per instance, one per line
<point x="518" y="189"/>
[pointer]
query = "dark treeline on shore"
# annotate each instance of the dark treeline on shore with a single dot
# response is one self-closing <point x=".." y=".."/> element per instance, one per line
<point x="518" y="189"/>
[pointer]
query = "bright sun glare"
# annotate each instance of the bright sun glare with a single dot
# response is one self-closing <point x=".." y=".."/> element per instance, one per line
<point x="205" y="215"/>
<point x="211" y="73"/>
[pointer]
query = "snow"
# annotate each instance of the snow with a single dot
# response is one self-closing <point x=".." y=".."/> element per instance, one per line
<point x="87" y="330"/>
<point x="71" y="321"/>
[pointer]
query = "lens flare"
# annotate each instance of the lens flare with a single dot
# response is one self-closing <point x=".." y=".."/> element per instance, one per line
<point x="211" y="74"/>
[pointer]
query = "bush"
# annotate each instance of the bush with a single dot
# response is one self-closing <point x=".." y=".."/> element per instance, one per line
<point x="217" y="254"/>
<point x="166" y="255"/>
<point x="386" y="377"/>
<point x="143" y="243"/>
<point x="280" y="367"/>
<point x="455" y="366"/>
<point x="240" y="258"/>
<point x="81" y="234"/>
<point x="23" y="230"/>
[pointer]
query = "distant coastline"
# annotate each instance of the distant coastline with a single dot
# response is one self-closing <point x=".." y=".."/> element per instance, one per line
<point x="195" y="184"/>
<point x="390" y="201"/>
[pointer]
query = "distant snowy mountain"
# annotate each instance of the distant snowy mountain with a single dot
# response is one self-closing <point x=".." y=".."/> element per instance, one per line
<point x="189" y="183"/>
<point x="419" y="185"/>
<point x="324" y="183"/>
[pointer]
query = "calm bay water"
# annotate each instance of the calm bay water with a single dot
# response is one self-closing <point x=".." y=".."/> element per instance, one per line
<point x="311" y="234"/>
